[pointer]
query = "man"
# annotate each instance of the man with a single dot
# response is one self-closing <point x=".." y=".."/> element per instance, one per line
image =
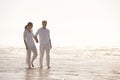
<point x="45" y="43"/>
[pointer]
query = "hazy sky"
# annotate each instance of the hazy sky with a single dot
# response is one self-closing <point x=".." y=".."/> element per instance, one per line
<point x="71" y="22"/>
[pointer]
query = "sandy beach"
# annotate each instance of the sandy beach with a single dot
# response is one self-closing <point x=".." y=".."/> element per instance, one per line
<point x="66" y="64"/>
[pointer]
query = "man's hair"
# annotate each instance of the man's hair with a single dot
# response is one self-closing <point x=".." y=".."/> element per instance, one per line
<point x="44" y="21"/>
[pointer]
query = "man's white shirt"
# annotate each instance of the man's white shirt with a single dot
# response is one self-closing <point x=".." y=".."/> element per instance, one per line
<point x="44" y="36"/>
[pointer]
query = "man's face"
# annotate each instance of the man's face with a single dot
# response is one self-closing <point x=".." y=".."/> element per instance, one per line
<point x="44" y="24"/>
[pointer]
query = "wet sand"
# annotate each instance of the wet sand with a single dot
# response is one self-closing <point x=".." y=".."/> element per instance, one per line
<point x="66" y="64"/>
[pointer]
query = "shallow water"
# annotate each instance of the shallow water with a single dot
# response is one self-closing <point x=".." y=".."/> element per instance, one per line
<point x="66" y="64"/>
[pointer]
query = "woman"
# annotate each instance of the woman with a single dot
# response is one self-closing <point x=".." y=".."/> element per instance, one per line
<point x="30" y="45"/>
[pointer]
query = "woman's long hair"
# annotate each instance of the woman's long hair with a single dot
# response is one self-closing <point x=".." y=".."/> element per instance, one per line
<point x="26" y="27"/>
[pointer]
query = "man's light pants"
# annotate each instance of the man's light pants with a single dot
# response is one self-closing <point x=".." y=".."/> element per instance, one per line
<point x="44" y="48"/>
<point x="28" y="59"/>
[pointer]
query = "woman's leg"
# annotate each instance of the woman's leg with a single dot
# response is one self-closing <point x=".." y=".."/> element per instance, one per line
<point x="34" y="50"/>
<point x="29" y="58"/>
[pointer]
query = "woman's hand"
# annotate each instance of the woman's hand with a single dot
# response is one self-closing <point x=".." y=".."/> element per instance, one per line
<point x="26" y="48"/>
<point x="50" y="46"/>
<point x="36" y="39"/>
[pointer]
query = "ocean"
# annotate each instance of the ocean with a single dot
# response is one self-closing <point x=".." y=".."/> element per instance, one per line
<point x="101" y="63"/>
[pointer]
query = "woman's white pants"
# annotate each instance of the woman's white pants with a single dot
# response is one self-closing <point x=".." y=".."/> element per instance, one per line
<point x="28" y="59"/>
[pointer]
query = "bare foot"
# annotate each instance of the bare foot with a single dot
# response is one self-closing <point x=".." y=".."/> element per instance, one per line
<point x="29" y="67"/>
<point x="32" y="65"/>
<point x="48" y="67"/>
<point x="41" y="67"/>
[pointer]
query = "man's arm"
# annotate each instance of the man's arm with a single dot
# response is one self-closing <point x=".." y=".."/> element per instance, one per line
<point x="50" y="40"/>
<point x="50" y="43"/>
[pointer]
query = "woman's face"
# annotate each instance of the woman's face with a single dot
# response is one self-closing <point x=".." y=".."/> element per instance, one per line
<point x="30" y="26"/>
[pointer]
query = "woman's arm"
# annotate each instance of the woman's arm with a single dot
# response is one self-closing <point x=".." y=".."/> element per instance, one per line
<point x="36" y="39"/>
<point x="25" y="44"/>
<point x="24" y="37"/>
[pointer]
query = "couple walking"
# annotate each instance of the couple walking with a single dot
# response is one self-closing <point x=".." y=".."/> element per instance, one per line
<point x="45" y="44"/>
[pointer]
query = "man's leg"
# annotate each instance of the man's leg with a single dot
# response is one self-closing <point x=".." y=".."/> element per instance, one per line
<point x="41" y="55"/>
<point x="34" y="54"/>
<point x="48" y="56"/>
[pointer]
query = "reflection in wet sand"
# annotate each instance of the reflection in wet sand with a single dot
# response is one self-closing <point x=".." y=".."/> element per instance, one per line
<point x="39" y="74"/>
<point x="30" y="74"/>
<point x="66" y="64"/>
